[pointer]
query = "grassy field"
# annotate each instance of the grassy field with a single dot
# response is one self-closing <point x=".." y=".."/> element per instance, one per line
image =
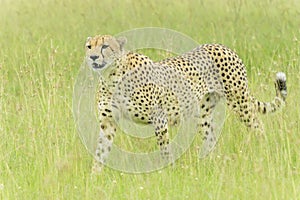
<point x="42" y="48"/>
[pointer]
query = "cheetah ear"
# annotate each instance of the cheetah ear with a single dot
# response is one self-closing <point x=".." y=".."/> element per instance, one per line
<point x="122" y="41"/>
<point x="87" y="39"/>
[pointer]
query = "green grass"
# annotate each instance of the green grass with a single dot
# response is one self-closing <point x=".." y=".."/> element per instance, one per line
<point x="41" y="52"/>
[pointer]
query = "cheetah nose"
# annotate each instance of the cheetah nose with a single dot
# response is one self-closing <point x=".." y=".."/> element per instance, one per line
<point x="94" y="57"/>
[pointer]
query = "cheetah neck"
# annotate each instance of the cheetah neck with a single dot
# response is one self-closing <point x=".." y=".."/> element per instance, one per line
<point x="112" y="74"/>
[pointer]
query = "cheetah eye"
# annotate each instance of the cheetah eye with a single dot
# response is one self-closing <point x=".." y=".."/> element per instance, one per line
<point x="89" y="46"/>
<point x="104" y="46"/>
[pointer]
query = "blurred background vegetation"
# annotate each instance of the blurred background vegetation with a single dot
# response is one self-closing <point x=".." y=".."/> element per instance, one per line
<point x="42" y="48"/>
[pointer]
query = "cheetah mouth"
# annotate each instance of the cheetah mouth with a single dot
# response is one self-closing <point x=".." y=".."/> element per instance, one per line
<point x="98" y="66"/>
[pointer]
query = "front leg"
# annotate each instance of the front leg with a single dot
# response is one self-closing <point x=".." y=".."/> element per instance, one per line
<point x="160" y="123"/>
<point x="104" y="144"/>
<point x="107" y="130"/>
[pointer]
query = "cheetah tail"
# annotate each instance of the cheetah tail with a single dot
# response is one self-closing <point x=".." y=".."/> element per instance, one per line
<point x="279" y="100"/>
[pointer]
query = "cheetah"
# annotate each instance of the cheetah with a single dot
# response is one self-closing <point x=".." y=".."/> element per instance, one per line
<point x="208" y="72"/>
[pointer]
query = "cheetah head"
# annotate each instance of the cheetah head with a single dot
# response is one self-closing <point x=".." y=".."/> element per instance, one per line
<point x="101" y="50"/>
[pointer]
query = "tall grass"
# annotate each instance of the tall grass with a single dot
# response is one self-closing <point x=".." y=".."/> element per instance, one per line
<point x="41" y="52"/>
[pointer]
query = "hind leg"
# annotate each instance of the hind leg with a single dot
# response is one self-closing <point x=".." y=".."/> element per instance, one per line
<point x="247" y="113"/>
<point x="212" y="112"/>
